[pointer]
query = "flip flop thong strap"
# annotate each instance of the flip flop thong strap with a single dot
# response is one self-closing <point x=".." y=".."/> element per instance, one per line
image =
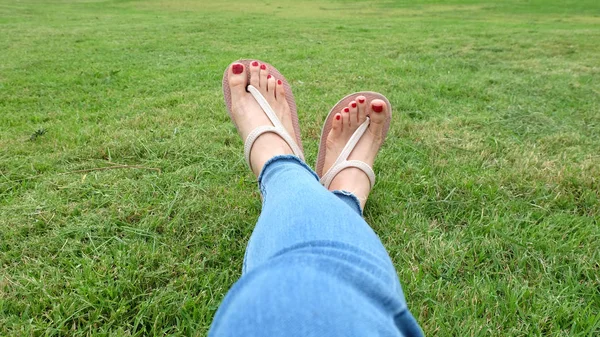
<point x="342" y="161"/>
<point x="277" y="127"/>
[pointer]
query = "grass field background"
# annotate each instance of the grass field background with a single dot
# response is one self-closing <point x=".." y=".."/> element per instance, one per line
<point x="488" y="192"/>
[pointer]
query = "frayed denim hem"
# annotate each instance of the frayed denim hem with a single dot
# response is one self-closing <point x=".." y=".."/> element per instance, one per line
<point x="350" y="200"/>
<point x="282" y="159"/>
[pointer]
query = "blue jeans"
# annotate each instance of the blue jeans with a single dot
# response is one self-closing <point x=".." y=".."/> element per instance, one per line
<point x="313" y="266"/>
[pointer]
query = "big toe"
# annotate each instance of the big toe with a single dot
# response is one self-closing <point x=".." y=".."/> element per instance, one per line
<point x="238" y="79"/>
<point x="378" y="113"/>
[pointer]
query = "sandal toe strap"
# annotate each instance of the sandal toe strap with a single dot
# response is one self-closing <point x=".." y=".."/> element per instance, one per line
<point x="342" y="161"/>
<point x="277" y="128"/>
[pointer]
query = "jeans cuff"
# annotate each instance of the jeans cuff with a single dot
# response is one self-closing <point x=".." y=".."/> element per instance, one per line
<point x="282" y="160"/>
<point x="350" y="200"/>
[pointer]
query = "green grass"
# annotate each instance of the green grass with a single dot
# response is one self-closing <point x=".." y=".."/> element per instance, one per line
<point x="488" y="192"/>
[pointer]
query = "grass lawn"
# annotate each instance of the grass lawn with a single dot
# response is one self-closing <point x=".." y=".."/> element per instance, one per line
<point x="488" y="192"/>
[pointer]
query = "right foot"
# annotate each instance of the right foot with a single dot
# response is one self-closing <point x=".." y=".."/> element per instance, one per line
<point x="344" y="124"/>
<point x="248" y="115"/>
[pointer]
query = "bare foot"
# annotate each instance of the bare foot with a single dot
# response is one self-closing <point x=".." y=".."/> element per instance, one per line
<point x="248" y="114"/>
<point x="344" y="124"/>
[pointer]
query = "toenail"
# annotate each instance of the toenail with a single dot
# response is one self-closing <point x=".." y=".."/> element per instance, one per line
<point x="255" y="64"/>
<point x="338" y="116"/>
<point x="237" y="68"/>
<point x="346" y="110"/>
<point x="353" y="104"/>
<point x="378" y="108"/>
<point x="361" y="100"/>
<point x="269" y="76"/>
<point x="279" y="82"/>
<point x="263" y="67"/>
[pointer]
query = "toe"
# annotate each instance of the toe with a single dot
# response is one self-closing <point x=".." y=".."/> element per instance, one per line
<point x="237" y="78"/>
<point x="345" y="118"/>
<point x="271" y="86"/>
<point x="254" y="74"/>
<point x="378" y="113"/>
<point x="361" y="103"/>
<point x="353" y="113"/>
<point x="264" y="72"/>
<point x="336" y="125"/>
<point x="280" y="91"/>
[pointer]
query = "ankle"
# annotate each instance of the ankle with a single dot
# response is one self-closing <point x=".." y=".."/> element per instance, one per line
<point x="352" y="180"/>
<point x="266" y="147"/>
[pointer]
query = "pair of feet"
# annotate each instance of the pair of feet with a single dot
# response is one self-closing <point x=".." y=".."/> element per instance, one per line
<point x="248" y="115"/>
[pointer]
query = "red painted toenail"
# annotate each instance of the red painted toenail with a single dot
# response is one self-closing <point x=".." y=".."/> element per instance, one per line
<point x="269" y="76"/>
<point x="353" y="104"/>
<point x="237" y="68"/>
<point x="361" y="100"/>
<point x="263" y="67"/>
<point x="346" y="110"/>
<point x="279" y="82"/>
<point x="255" y="64"/>
<point x="378" y="108"/>
<point x="338" y="117"/>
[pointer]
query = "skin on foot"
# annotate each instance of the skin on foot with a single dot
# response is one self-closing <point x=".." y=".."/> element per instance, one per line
<point x="344" y="124"/>
<point x="248" y="114"/>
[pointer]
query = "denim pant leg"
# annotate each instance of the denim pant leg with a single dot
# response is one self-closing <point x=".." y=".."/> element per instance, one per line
<point x="313" y="266"/>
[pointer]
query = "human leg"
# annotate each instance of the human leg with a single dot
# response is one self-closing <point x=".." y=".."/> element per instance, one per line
<point x="313" y="267"/>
